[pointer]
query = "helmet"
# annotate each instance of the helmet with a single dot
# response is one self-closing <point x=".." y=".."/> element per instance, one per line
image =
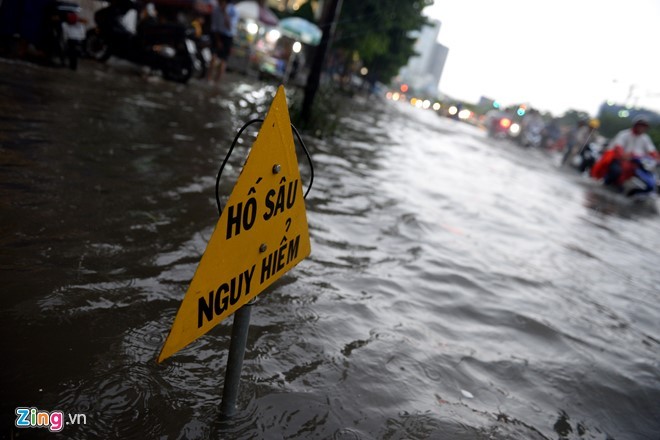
<point x="641" y="120"/>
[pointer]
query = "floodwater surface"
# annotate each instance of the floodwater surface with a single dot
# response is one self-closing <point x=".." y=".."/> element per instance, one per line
<point x="458" y="287"/>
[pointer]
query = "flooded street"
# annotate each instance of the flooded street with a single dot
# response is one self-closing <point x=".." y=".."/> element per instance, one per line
<point x="458" y="287"/>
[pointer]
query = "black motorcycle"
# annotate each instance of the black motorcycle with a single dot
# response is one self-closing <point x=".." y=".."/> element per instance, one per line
<point x="204" y="55"/>
<point x="202" y="41"/>
<point x="167" y="47"/>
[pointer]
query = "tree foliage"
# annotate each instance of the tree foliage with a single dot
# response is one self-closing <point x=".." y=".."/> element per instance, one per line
<point x="611" y="124"/>
<point x="572" y="116"/>
<point x="381" y="32"/>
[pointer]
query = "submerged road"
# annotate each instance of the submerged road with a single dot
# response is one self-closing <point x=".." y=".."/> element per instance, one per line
<point x="458" y="287"/>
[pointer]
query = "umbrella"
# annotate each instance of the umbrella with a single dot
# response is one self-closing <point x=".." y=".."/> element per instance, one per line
<point x="251" y="10"/>
<point x="302" y="30"/>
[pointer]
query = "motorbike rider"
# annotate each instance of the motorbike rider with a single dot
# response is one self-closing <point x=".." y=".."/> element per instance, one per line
<point x="624" y="151"/>
<point x="531" y="128"/>
<point x="577" y="139"/>
<point x="551" y="134"/>
<point x="493" y="121"/>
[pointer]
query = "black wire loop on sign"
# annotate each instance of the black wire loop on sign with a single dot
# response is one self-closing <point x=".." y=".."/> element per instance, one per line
<point x="233" y="144"/>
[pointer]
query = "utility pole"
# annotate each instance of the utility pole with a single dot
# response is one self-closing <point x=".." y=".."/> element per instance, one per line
<point x="330" y="11"/>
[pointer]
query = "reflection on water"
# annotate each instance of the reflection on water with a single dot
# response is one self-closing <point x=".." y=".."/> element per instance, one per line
<point x="457" y="288"/>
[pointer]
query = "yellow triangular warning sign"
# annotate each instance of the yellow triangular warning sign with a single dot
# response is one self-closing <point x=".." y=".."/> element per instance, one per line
<point x="261" y="234"/>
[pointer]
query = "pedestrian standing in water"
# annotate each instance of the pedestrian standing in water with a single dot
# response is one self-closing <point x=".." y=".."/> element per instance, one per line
<point x="224" y="21"/>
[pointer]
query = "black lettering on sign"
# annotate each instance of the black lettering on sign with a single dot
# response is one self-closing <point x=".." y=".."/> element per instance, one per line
<point x="275" y="261"/>
<point x="204" y="309"/>
<point x="217" y="302"/>
<point x="280" y="257"/>
<point x="220" y="303"/>
<point x="293" y="249"/>
<point x="240" y="216"/>
<point x="285" y="198"/>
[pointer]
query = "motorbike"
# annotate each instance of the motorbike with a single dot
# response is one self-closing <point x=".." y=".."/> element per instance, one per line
<point x="532" y="136"/>
<point x="632" y="177"/>
<point x="643" y="179"/>
<point x="203" y="57"/>
<point x="167" y="47"/>
<point x="550" y="136"/>
<point x="503" y="127"/>
<point x="64" y="33"/>
<point x="587" y="157"/>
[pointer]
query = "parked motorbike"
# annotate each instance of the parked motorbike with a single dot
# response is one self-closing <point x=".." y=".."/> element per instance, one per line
<point x="167" y="47"/>
<point x="64" y="33"/>
<point x="203" y="57"/>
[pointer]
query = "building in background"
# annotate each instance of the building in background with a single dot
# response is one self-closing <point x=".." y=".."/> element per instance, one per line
<point x="424" y="71"/>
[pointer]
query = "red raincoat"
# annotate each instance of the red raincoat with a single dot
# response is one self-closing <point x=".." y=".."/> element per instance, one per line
<point x="599" y="170"/>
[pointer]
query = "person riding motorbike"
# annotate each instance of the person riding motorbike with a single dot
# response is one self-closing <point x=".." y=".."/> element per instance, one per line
<point x="630" y="153"/>
<point x="531" y="128"/>
<point x="577" y="139"/>
<point x="587" y="149"/>
<point x="551" y="134"/>
<point x="498" y="123"/>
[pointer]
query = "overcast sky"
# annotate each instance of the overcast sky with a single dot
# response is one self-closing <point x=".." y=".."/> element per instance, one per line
<point x="555" y="55"/>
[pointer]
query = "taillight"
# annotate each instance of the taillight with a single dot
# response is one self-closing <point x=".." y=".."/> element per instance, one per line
<point x="505" y="122"/>
<point x="72" y="18"/>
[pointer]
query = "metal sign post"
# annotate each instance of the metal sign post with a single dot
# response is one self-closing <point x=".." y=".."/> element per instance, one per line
<point x="239" y="333"/>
